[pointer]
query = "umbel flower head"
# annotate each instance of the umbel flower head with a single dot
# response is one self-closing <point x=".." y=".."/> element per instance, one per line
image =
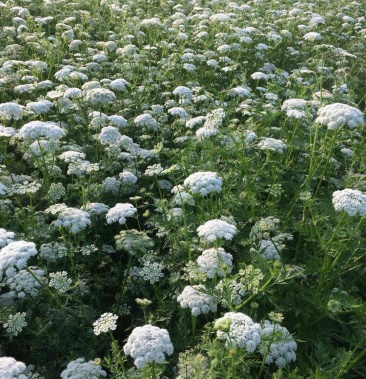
<point x="215" y="262"/>
<point x="79" y="369"/>
<point x="99" y="96"/>
<point x="277" y="344"/>
<point x="199" y="302"/>
<point x="239" y="330"/>
<point x="36" y="129"/>
<point x="214" y="229"/>
<point x="120" y="212"/>
<point x="148" y="344"/>
<point x="15" y="256"/>
<point x="12" y="369"/>
<point x="204" y="182"/>
<point x="353" y="202"/>
<point x="107" y="321"/>
<point x="73" y="219"/>
<point x="336" y="115"/>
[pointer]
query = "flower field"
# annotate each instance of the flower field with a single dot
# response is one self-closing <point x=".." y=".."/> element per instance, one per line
<point x="182" y="189"/>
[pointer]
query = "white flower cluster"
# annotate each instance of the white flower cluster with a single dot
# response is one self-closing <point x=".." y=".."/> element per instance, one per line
<point x="127" y="178"/>
<point x="71" y="156"/>
<point x="52" y="251"/>
<point x="107" y="321"/>
<point x="79" y="369"/>
<point x="277" y="344"/>
<point x="7" y="132"/>
<point x="353" y="202"/>
<point x="37" y="129"/>
<point x="215" y="262"/>
<point x="147" y="344"/>
<point x="23" y="282"/>
<point x="99" y="96"/>
<point x="96" y="208"/>
<point x="152" y="271"/>
<point x="12" y="369"/>
<point x="15" y="323"/>
<point x="272" y="144"/>
<point x="269" y="250"/>
<point x="60" y="281"/>
<point x="336" y="115"/>
<point x="118" y="85"/>
<point x="120" y="212"/>
<point x="109" y="135"/>
<point x="10" y="111"/>
<point x="204" y="182"/>
<point x="216" y="229"/>
<point x="211" y="126"/>
<point x="6" y="237"/>
<point x="15" y="256"/>
<point x="239" y="330"/>
<point x="146" y="120"/>
<point x="39" y="107"/>
<point x="199" y="302"/>
<point x="73" y="219"/>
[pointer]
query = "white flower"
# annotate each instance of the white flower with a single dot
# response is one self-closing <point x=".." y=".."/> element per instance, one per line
<point x="99" y="96"/>
<point x="289" y="104"/>
<point x="269" y="250"/>
<point x="213" y="121"/>
<point x="12" y="369"/>
<point x="146" y="120"/>
<point x="199" y="302"/>
<point x="79" y="369"/>
<point x="15" y="255"/>
<point x="277" y="344"/>
<point x="39" y="107"/>
<point x="107" y="321"/>
<point x="24" y="283"/>
<point x="312" y="36"/>
<point x="7" y="132"/>
<point x="337" y="114"/>
<point x="96" y="208"/>
<point x="152" y="271"/>
<point x="118" y="85"/>
<point x="240" y="92"/>
<point x="71" y="156"/>
<point x="204" y="182"/>
<point x="353" y="202"/>
<point x="127" y="178"/>
<point x="120" y="212"/>
<point x="214" y="229"/>
<point x="10" y="111"/>
<point x="215" y="262"/>
<point x="179" y="112"/>
<point x="15" y="324"/>
<point x="60" y="281"/>
<point x="183" y="92"/>
<point x="110" y="184"/>
<point x="147" y="344"/>
<point x="259" y="76"/>
<point x="37" y="129"/>
<point x="239" y="330"/>
<point x="118" y="121"/>
<point x="73" y="219"/>
<point x="272" y="144"/>
<point x="109" y="135"/>
<point x="195" y="121"/>
<point x="6" y="237"/>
